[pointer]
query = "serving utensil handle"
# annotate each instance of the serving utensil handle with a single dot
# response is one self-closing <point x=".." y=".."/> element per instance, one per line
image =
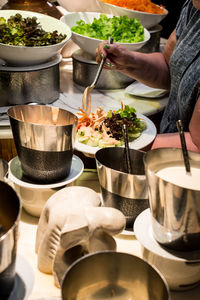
<point x="183" y="145"/>
<point x="110" y="41"/>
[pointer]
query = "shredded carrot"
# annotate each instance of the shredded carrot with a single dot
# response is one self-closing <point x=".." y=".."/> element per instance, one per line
<point x="139" y="5"/>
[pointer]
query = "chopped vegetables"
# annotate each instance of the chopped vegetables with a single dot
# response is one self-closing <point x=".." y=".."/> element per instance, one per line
<point x="140" y="5"/>
<point x="102" y="129"/>
<point x="19" y="31"/>
<point x="122" y="29"/>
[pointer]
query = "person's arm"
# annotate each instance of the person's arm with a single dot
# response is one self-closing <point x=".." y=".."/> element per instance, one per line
<point x="194" y="126"/>
<point x="151" y="69"/>
<point x="192" y="137"/>
<point x="172" y="140"/>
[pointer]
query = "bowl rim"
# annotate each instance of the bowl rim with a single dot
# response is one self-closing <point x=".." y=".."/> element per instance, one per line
<point x="137" y="11"/>
<point x="39" y="124"/>
<point x="118" y="253"/>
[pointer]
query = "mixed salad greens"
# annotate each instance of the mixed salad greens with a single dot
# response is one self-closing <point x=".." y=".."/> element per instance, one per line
<point x="19" y="31"/>
<point x="122" y="29"/>
<point x="104" y="129"/>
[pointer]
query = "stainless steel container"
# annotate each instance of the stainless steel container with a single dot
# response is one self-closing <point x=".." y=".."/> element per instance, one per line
<point x="20" y="85"/>
<point x="44" y="139"/>
<point x="85" y="69"/>
<point x="153" y="44"/>
<point x="175" y="210"/>
<point x="113" y="275"/>
<point x="126" y="192"/>
<point x="9" y="220"/>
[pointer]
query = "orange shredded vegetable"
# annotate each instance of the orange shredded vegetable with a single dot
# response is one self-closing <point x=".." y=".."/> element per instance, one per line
<point x="139" y="5"/>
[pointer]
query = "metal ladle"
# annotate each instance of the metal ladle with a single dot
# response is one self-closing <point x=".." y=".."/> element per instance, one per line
<point x="86" y="100"/>
<point x="183" y="146"/>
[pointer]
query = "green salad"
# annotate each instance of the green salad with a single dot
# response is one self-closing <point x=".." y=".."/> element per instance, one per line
<point x="103" y="129"/>
<point x="19" y="31"/>
<point x="122" y="29"/>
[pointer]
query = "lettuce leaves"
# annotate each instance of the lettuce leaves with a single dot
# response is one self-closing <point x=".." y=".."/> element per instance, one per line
<point x="122" y="29"/>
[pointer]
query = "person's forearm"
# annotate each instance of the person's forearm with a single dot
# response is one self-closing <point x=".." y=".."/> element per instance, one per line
<point x="150" y="69"/>
<point x="172" y="140"/>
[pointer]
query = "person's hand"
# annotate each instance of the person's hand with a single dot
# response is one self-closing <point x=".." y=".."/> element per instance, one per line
<point x="117" y="57"/>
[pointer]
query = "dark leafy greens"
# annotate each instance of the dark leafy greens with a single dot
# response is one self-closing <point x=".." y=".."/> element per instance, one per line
<point x="115" y="120"/>
<point x="19" y="31"/>
<point x="122" y="29"/>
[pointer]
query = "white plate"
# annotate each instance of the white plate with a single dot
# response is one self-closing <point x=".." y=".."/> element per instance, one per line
<point x="24" y="280"/>
<point x="144" y="140"/>
<point x="144" y="234"/>
<point x="140" y="90"/>
<point x="16" y="174"/>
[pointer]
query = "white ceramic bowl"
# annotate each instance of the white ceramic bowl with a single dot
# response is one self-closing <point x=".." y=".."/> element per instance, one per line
<point x="80" y="5"/>
<point x="180" y="269"/>
<point x="148" y="20"/>
<point x="29" y="56"/>
<point x="34" y="196"/>
<point x="88" y="44"/>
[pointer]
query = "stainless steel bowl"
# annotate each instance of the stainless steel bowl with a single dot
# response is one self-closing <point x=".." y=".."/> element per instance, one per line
<point x="126" y="192"/>
<point x="44" y="139"/>
<point x="113" y="275"/>
<point x="175" y="210"/>
<point x="9" y="220"/>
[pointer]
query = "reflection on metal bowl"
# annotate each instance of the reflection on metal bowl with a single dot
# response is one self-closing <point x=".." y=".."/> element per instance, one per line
<point x="9" y="220"/>
<point x="175" y="208"/>
<point x="44" y="139"/>
<point x="113" y="275"/>
<point x="126" y="192"/>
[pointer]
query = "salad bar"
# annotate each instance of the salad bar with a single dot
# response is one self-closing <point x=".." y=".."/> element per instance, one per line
<point x="103" y="233"/>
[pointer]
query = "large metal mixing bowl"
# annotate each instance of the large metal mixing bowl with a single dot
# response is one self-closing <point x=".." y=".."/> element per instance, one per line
<point x="126" y="192"/>
<point x="175" y="209"/>
<point x="113" y="275"/>
<point x="44" y="138"/>
<point x="9" y="220"/>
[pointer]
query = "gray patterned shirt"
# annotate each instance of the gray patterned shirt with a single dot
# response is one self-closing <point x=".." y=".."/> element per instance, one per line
<point x="184" y="70"/>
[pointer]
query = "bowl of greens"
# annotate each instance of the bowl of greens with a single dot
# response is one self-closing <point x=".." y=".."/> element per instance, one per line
<point x="29" y="38"/>
<point x="90" y="28"/>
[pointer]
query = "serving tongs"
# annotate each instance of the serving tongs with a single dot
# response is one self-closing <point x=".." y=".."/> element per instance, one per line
<point x="86" y="100"/>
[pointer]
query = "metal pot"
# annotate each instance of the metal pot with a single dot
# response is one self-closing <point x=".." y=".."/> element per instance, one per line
<point x="153" y="44"/>
<point x="85" y="69"/>
<point x="175" y="209"/>
<point x="44" y="138"/>
<point x="10" y="207"/>
<point x="126" y="192"/>
<point x="20" y="85"/>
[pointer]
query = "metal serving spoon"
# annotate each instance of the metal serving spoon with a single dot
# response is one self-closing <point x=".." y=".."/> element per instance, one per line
<point x="126" y="149"/>
<point x="183" y="146"/>
<point x="86" y="100"/>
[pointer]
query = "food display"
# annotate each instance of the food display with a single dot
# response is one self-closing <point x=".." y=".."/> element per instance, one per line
<point x="104" y="129"/>
<point x="26" y="31"/>
<point x="122" y="29"/>
<point x="139" y="5"/>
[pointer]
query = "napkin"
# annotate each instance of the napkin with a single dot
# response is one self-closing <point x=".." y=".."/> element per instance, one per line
<point x="141" y="90"/>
